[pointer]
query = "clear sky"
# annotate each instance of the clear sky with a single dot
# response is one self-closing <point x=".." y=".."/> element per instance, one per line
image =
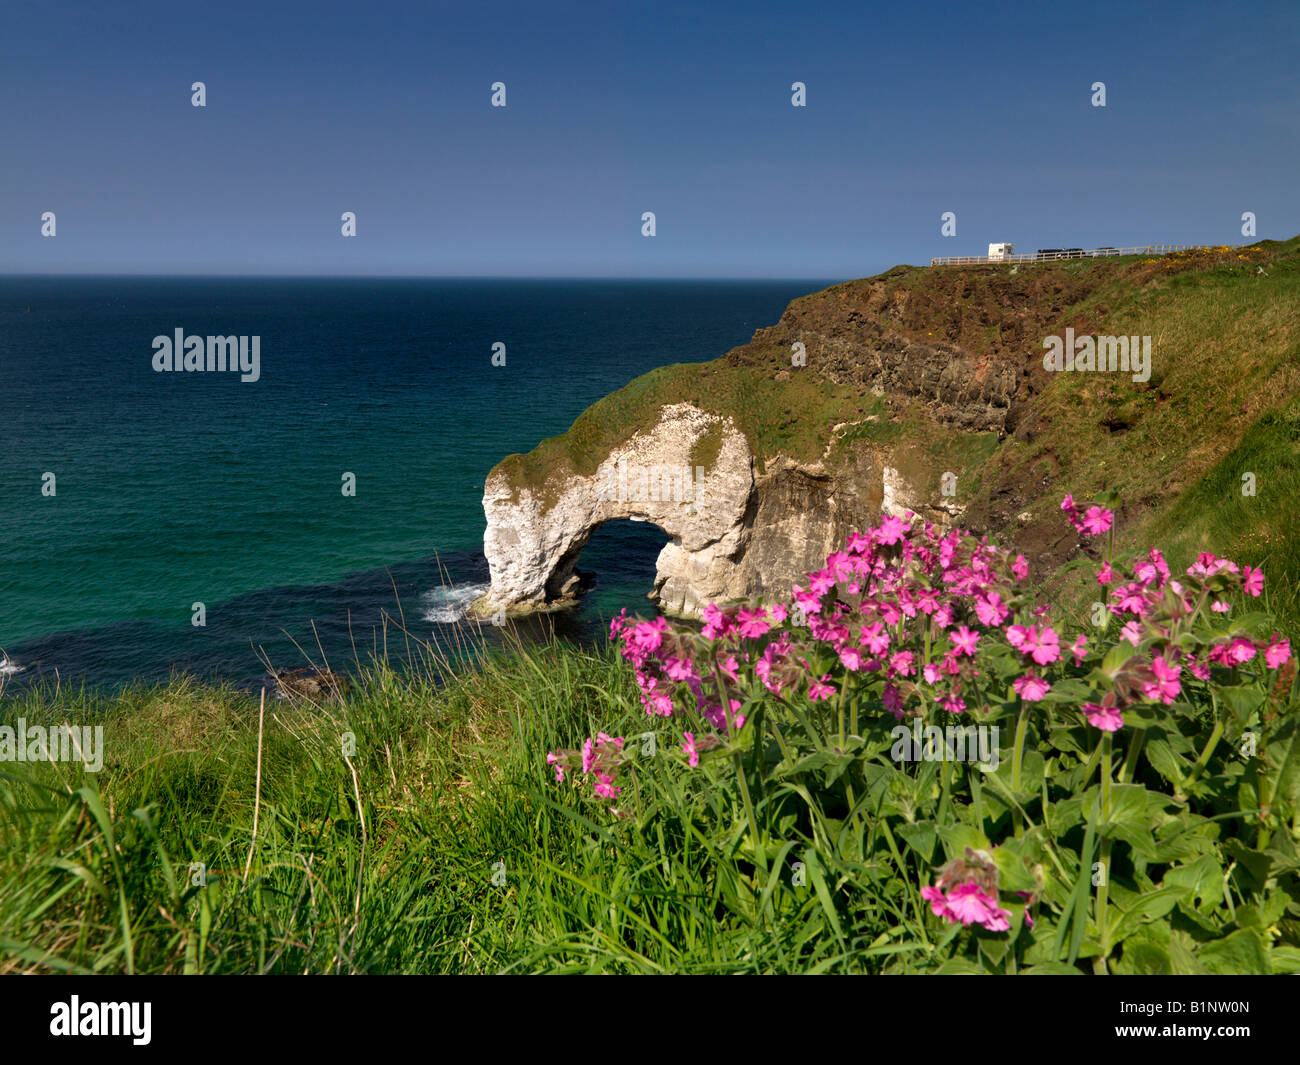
<point x="613" y="109"/>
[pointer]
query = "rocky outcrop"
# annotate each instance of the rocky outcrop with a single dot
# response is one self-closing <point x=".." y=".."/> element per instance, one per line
<point x="957" y="351"/>
<point x="536" y="533"/>
<point x="734" y="532"/>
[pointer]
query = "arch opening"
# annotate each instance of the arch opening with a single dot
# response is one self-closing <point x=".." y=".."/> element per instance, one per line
<point x="618" y="566"/>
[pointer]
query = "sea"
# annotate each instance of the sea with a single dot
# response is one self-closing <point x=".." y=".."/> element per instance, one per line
<point x="336" y="500"/>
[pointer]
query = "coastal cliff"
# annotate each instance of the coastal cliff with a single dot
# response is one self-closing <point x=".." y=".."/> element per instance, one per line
<point x="919" y="390"/>
<point x="734" y="529"/>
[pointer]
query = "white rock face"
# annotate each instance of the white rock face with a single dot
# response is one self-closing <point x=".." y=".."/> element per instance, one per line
<point x="532" y="547"/>
<point x="734" y="533"/>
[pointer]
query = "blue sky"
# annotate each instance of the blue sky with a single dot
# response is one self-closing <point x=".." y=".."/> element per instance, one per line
<point x="314" y="109"/>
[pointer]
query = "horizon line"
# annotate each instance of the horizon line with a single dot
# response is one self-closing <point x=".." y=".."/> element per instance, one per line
<point x="426" y="277"/>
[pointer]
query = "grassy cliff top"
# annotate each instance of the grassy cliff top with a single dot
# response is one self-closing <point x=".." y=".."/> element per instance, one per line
<point x="1224" y="393"/>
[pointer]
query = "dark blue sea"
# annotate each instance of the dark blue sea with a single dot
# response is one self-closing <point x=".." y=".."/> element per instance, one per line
<point x="128" y="495"/>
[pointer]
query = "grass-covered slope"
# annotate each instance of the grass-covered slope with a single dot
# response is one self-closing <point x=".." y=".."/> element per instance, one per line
<point x="382" y="861"/>
<point x="440" y="845"/>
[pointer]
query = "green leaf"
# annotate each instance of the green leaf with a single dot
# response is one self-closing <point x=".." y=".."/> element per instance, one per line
<point x="1243" y="952"/>
<point x="1129" y="806"/>
<point x="1064" y="815"/>
<point x="1146" y="908"/>
<point x="1072" y="692"/>
<point x="1263" y="915"/>
<point x="1241" y="702"/>
<point x="993" y="947"/>
<point x="1284" y="752"/>
<point x="921" y="837"/>
<point x="1115" y="659"/>
<point x="1165" y="762"/>
<point x="823" y="894"/>
<point x="1284" y="959"/>
<point x="1146" y="952"/>
<point x="1256" y="863"/>
<point x="1182" y="955"/>
<point x="1201" y="882"/>
<point x="1051" y="968"/>
<point x="956" y="838"/>
<point x="1012" y="873"/>
<point x="959" y="967"/>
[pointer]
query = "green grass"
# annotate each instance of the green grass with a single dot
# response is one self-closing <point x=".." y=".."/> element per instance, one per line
<point x="390" y="870"/>
<point x="1260" y="529"/>
<point x="1223" y="400"/>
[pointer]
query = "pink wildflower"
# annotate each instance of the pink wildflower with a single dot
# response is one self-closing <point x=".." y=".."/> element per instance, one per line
<point x="604" y="787"/>
<point x="679" y="669"/>
<point x="1277" y="653"/>
<point x="648" y="635"/>
<point x="1166" y="686"/>
<point x="990" y="609"/>
<point x="1239" y="651"/>
<point x="821" y="689"/>
<point x="901" y="663"/>
<point x="891" y="529"/>
<point x="893" y="701"/>
<point x="1031" y="688"/>
<point x="964" y="641"/>
<point x="1253" y="581"/>
<point x="1046" y="649"/>
<point x="1021" y="637"/>
<point x="1097" y="521"/>
<point x="874" y="638"/>
<point x="1106" y="718"/>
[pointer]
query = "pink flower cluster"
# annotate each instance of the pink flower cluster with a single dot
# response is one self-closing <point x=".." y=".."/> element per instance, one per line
<point x="599" y="760"/>
<point x="967" y="891"/>
<point x="968" y="904"/>
<point x="1094" y="522"/>
<point x="865" y="606"/>
<point x="908" y="611"/>
<point x="665" y="662"/>
<point x="1159" y="610"/>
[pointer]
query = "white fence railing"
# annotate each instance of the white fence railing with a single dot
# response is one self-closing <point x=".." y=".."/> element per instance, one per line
<point x="1048" y="256"/>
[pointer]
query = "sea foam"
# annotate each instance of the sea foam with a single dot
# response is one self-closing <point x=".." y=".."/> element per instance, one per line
<point x="446" y="604"/>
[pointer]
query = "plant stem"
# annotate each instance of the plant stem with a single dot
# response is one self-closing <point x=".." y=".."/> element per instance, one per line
<point x="1201" y="762"/>
<point x="1130" y="758"/>
<point x="1103" y="889"/>
<point x="1017" y="758"/>
<point x="749" y="810"/>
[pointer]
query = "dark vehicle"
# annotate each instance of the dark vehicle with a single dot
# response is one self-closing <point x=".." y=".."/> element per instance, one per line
<point x="1048" y="253"/>
<point x="1103" y="252"/>
<point x="1072" y="253"/>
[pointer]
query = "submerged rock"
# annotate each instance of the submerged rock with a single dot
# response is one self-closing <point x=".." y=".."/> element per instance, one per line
<point x="310" y="683"/>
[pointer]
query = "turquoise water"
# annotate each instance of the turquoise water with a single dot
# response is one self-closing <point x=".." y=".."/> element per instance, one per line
<point x="177" y="488"/>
